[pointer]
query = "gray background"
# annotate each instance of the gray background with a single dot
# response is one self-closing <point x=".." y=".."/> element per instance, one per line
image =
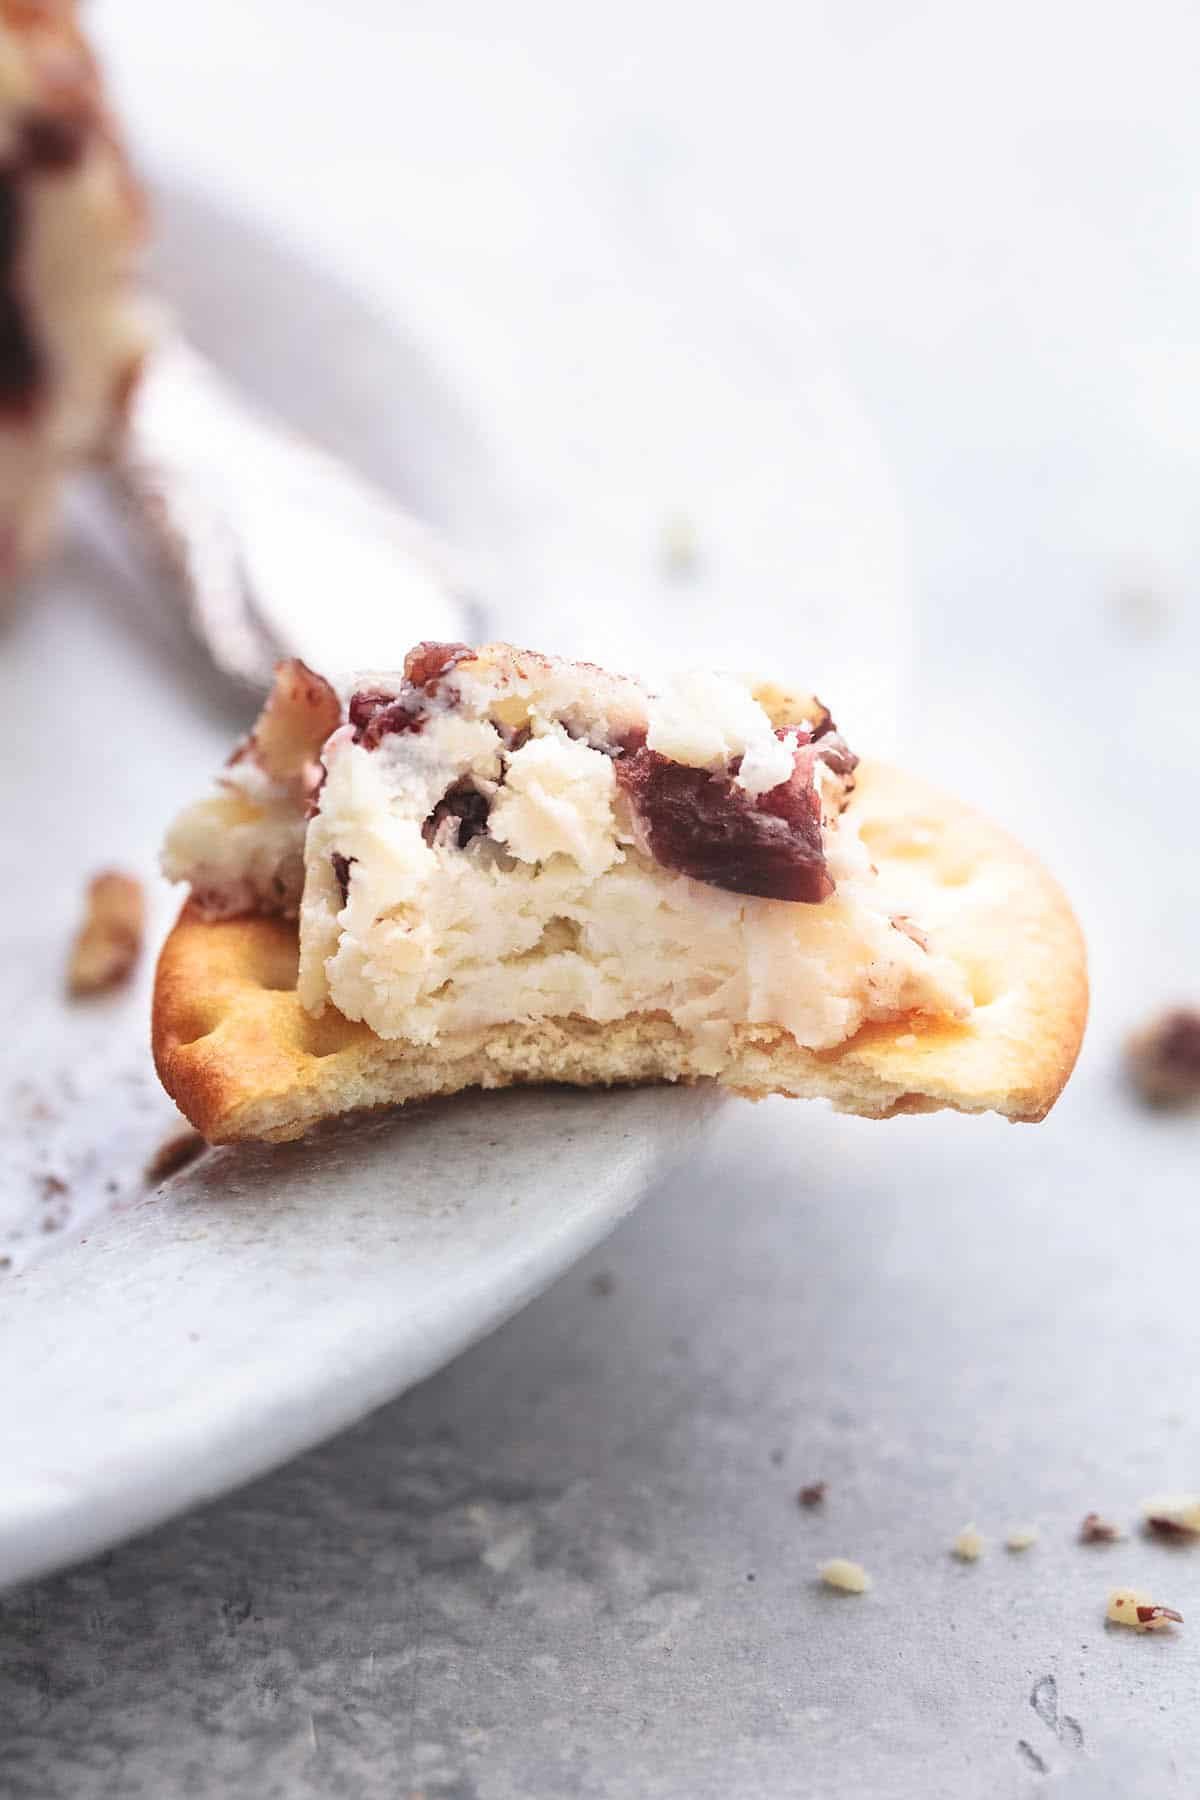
<point x="532" y="1576"/>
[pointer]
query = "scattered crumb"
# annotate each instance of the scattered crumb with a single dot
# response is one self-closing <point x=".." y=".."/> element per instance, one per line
<point x="1095" y="1530"/>
<point x="850" y="1577"/>
<point x="1163" y="1058"/>
<point x="680" y="547"/>
<point x="603" y="1284"/>
<point x="1173" y="1515"/>
<point x="1140" y="610"/>
<point x="175" y="1153"/>
<point x="969" y="1545"/>
<point x="1022" y="1537"/>
<point x="812" y="1494"/>
<point x="53" y="1187"/>
<point x="109" y="941"/>
<point x="1128" y="1607"/>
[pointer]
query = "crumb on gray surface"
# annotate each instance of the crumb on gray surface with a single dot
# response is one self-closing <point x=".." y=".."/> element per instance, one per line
<point x="109" y="940"/>
<point x="849" y="1577"/>
<point x="1097" y="1530"/>
<point x="1163" y="1058"/>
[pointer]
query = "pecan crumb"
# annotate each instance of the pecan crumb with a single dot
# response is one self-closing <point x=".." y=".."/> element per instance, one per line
<point x="109" y="941"/>
<point x="427" y="662"/>
<point x="299" y="713"/>
<point x="969" y="1545"/>
<point x="1164" y="1059"/>
<point x="850" y="1577"/>
<point x="174" y="1154"/>
<point x="1021" y="1537"/>
<point x="1173" y="1515"/>
<point x="1127" y="1607"/>
<point x="1096" y="1530"/>
<point x="812" y="1494"/>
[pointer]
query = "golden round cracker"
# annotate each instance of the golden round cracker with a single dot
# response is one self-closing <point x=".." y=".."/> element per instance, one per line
<point x="242" y="1058"/>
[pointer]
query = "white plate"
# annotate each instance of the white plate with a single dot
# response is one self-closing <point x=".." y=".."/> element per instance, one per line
<point x="159" y="1349"/>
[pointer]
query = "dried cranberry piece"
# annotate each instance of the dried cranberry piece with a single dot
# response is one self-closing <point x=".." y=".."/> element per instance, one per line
<point x="1165" y="1058"/>
<point x="376" y="715"/>
<point x="341" y="871"/>
<point x="53" y="142"/>
<point x="426" y="663"/>
<point x="21" y="363"/>
<point x="464" y="803"/>
<point x="704" y="826"/>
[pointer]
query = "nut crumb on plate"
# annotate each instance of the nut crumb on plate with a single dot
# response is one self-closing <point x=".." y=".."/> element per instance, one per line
<point x="1173" y="1515"/>
<point x="1022" y="1537"/>
<point x="812" y="1493"/>
<point x="109" y="941"/>
<point x="849" y="1577"/>
<point x="1128" y="1607"/>
<point x="969" y="1545"/>
<point x="1097" y="1530"/>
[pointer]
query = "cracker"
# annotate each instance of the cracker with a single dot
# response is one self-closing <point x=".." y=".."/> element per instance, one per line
<point x="242" y="1059"/>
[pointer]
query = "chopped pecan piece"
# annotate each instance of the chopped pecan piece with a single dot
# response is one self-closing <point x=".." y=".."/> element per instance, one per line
<point x="1173" y="1515"/>
<point x="812" y="1494"/>
<point x="109" y="941"/>
<point x="1095" y="1530"/>
<point x="427" y="663"/>
<point x="1127" y="1607"/>
<point x="301" y="711"/>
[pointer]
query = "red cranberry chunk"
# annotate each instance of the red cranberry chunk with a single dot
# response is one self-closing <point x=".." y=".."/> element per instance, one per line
<point x="53" y="142"/>
<point x="466" y="805"/>
<point x="1165" y="1058"/>
<point x="375" y="715"/>
<point x="704" y="826"/>
<point x="341" y="872"/>
<point x="21" y="363"/>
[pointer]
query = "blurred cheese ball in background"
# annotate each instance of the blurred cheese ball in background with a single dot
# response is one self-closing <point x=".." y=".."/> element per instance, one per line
<point x="72" y="328"/>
